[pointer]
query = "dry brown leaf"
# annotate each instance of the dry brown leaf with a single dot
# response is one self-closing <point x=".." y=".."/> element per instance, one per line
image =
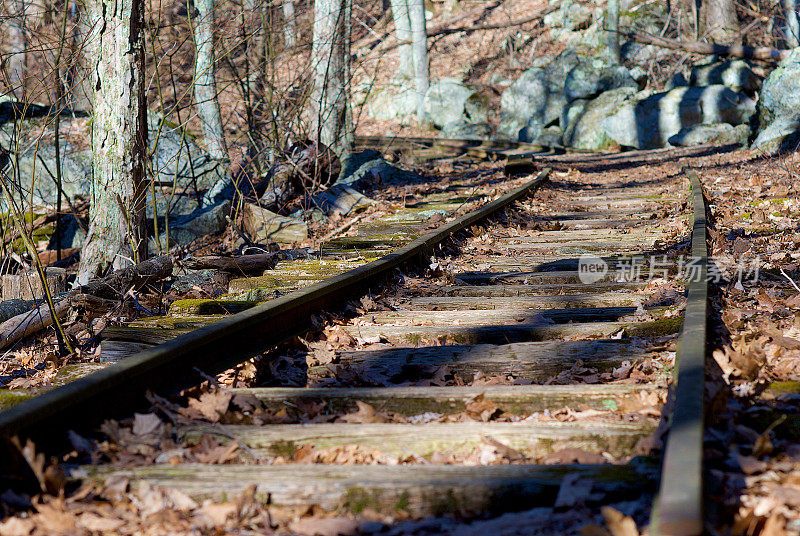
<point x="96" y="523"/>
<point x="324" y="526"/>
<point x="212" y="405"/>
<point x="53" y="519"/>
<point x="217" y="513"/>
<point x="16" y="526"/>
<point x="366" y="414"/>
<point x="774" y="526"/>
<point x="750" y="465"/>
<point x="618" y="523"/>
<point x="482" y="409"/>
<point x="572" y="455"/>
<point x="146" y="424"/>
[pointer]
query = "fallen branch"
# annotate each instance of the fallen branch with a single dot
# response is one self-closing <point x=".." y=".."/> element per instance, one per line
<point x="735" y="51"/>
<point x="435" y="32"/>
<point x="115" y="285"/>
<point x="246" y="264"/>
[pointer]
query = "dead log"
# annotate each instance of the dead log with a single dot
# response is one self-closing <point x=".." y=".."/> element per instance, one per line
<point x="114" y="286"/>
<point x="247" y="264"/>
<point x="735" y="51"/>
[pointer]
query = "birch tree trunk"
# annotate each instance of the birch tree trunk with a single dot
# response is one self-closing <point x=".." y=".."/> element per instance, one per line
<point x="117" y="235"/>
<point x="18" y="47"/>
<point x="612" y="30"/>
<point x="330" y="55"/>
<point x="289" y="25"/>
<point x="419" y="37"/>
<point x="719" y="21"/>
<point x="205" y="89"/>
<point x="791" y="28"/>
<point x="402" y="30"/>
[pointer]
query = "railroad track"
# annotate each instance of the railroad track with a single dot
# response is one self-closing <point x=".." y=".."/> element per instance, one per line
<point x="501" y="377"/>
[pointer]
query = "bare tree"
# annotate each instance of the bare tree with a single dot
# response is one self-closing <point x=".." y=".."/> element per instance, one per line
<point x="117" y="235"/>
<point x="402" y="30"/>
<point x="332" y="123"/>
<point x="205" y="89"/>
<point x="719" y="20"/>
<point x="419" y="45"/>
<point x="791" y="27"/>
<point x="612" y="30"/>
<point x="409" y="27"/>
<point x="18" y="46"/>
<point x="289" y="24"/>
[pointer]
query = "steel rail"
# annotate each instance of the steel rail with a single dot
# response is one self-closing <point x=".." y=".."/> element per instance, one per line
<point x="679" y="504"/>
<point x="175" y="365"/>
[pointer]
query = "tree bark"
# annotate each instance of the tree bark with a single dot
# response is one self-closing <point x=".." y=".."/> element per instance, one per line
<point x="791" y="27"/>
<point x="330" y="55"/>
<point x="18" y="47"/>
<point x="289" y="25"/>
<point x="612" y="30"/>
<point x="419" y="39"/>
<point x="719" y="21"/>
<point x="205" y="89"/>
<point x="402" y="30"/>
<point x="117" y="235"/>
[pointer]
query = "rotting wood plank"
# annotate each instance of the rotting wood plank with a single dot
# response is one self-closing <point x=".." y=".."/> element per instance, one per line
<point x="494" y="317"/>
<point x="499" y="334"/>
<point x="422" y="490"/>
<point x="531" y="440"/>
<point x="523" y="289"/>
<point x="534" y="361"/>
<point x="568" y="301"/>
<point x="415" y="400"/>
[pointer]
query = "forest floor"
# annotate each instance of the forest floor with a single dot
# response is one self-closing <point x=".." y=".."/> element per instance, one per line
<point x="753" y="393"/>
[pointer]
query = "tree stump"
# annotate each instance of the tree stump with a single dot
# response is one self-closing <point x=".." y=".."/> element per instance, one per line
<point x="28" y="285"/>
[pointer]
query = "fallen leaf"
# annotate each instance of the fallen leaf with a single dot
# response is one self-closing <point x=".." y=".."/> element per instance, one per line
<point x="366" y="414"/>
<point x="618" y="523"/>
<point x="217" y="513"/>
<point x="212" y="405"/>
<point x="324" y="526"/>
<point x="96" y="523"/>
<point x="482" y="409"/>
<point x="15" y="526"/>
<point x="146" y="424"/>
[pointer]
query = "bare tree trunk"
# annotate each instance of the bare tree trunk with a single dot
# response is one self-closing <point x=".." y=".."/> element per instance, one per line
<point x="612" y="30"/>
<point x="289" y="25"/>
<point x="117" y="235"/>
<point x="402" y="30"/>
<point x="205" y="89"/>
<point x="719" y="21"/>
<point x="18" y="47"/>
<point x="419" y="38"/>
<point x="330" y="54"/>
<point x="791" y="27"/>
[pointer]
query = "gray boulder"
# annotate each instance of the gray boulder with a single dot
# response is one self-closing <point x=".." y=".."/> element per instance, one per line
<point x="779" y="107"/>
<point x="466" y="131"/>
<point x="394" y="102"/>
<point x="190" y="227"/>
<point x="648" y="123"/>
<point x="368" y="166"/>
<point x="594" y="76"/>
<point x="536" y="99"/>
<point x="780" y="136"/>
<point x="33" y="173"/>
<point x="182" y="166"/>
<point x="584" y="121"/>
<point x="450" y="101"/>
<point x="735" y="74"/>
<point x="717" y="134"/>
